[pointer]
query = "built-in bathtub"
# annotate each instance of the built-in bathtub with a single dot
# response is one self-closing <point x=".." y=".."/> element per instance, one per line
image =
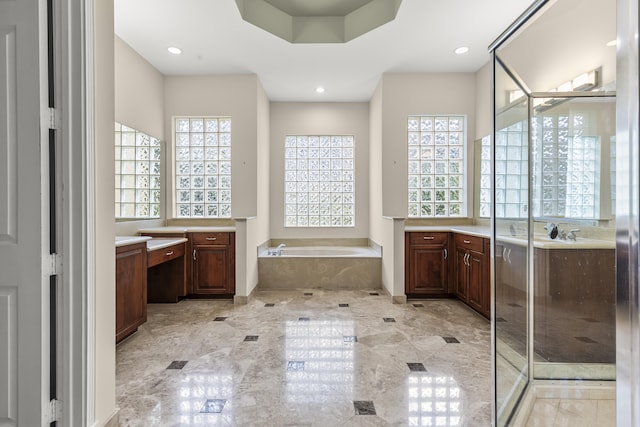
<point x="325" y="266"/>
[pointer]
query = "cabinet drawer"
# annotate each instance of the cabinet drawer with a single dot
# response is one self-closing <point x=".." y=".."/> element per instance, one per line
<point x="165" y="254"/>
<point x="469" y="242"/>
<point x="210" y="238"/>
<point x="428" y="238"/>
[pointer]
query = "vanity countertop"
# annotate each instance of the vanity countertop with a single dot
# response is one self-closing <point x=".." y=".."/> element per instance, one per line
<point x="547" y="243"/>
<point x="155" y="244"/>
<point x="472" y="230"/>
<point x="188" y="229"/>
<point x="130" y="240"/>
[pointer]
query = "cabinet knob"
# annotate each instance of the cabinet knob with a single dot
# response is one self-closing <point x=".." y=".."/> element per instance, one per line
<point x="429" y="238"/>
<point x="212" y="238"/>
<point x="169" y="253"/>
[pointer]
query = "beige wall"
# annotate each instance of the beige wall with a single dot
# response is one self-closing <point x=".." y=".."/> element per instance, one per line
<point x="258" y="228"/>
<point x="484" y="113"/>
<point x="139" y="103"/>
<point x="291" y="118"/>
<point x="224" y="95"/>
<point x="139" y="92"/>
<point x="405" y="94"/>
<point x="105" y="291"/>
<point x="380" y="229"/>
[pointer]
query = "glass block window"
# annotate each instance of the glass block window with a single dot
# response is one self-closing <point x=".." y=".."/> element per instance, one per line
<point x="137" y="174"/>
<point x="512" y="171"/>
<point x="203" y="167"/>
<point x="566" y="164"/>
<point x="436" y="155"/>
<point x="319" y="181"/>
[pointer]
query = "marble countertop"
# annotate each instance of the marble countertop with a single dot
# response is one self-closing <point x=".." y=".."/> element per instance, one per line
<point x="130" y="240"/>
<point x="472" y="230"/>
<point x="155" y="244"/>
<point x="539" y="242"/>
<point x="187" y="229"/>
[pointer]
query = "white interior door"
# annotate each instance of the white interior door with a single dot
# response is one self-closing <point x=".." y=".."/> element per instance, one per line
<point x="24" y="217"/>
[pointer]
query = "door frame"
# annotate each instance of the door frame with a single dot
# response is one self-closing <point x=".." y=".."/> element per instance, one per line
<point x="74" y="65"/>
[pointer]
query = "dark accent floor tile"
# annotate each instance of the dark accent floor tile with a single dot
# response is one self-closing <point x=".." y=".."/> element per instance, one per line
<point x="364" y="407"/>
<point x="308" y="294"/>
<point x="213" y="406"/>
<point x="177" y="364"/>
<point x="451" y="340"/>
<point x="295" y="365"/>
<point x="586" y="340"/>
<point x="590" y="320"/>
<point x="513" y="304"/>
<point x="251" y="338"/>
<point x="343" y="305"/>
<point x="500" y="319"/>
<point x="389" y="319"/>
<point x="303" y="319"/>
<point x="416" y="367"/>
<point x="269" y="304"/>
<point x="350" y="338"/>
<point x="375" y="294"/>
<point x="418" y="305"/>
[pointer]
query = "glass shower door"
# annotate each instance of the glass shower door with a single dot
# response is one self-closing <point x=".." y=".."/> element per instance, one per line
<point x="511" y="228"/>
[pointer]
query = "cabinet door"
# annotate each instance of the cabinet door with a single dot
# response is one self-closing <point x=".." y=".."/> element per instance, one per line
<point x="131" y="289"/>
<point x="428" y="270"/>
<point x="475" y="276"/>
<point x="211" y="270"/>
<point x="461" y="275"/>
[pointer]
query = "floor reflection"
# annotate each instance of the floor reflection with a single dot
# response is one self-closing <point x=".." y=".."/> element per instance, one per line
<point x="434" y="401"/>
<point x="195" y="389"/>
<point x="320" y="355"/>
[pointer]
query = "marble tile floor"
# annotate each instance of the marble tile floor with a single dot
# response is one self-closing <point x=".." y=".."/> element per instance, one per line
<point x="332" y="358"/>
<point x="572" y="412"/>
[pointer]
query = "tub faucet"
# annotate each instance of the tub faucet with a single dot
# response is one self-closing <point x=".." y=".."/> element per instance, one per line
<point x="571" y="235"/>
<point x="278" y="250"/>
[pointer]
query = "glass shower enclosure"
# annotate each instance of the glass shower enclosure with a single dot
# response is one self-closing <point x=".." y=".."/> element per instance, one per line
<point x="553" y="202"/>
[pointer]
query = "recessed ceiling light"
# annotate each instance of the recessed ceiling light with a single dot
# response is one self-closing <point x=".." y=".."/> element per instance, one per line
<point x="320" y="89"/>
<point x="613" y="43"/>
<point x="174" y="50"/>
<point x="460" y="50"/>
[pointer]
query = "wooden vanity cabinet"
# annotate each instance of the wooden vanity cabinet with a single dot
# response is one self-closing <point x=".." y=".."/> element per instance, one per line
<point x="131" y="288"/>
<point x="471" y="278"/>
<point x="213" y="263"/>
<point x="426" y="264"/>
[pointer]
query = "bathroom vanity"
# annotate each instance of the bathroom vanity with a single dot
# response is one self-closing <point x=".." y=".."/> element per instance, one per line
<point x="210" y="263"/>
<point x="574" y="305"/>
<point x="453" y="262"/>
<point x="131" y="285"/>
<point x="166" y="269"/>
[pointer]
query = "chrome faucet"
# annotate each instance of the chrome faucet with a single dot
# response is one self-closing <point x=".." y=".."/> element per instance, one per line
<point x="277" y="251"/>
<point x="572" y="234"/>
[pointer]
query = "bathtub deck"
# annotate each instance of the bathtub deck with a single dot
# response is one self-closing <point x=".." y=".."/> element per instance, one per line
<point x="319" y="273"/>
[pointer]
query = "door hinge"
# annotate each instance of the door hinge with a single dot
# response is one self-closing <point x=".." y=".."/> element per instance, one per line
<point x="52" y="265"/>
<point x="53" y="118"/>
<point x="55" y="411"/>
